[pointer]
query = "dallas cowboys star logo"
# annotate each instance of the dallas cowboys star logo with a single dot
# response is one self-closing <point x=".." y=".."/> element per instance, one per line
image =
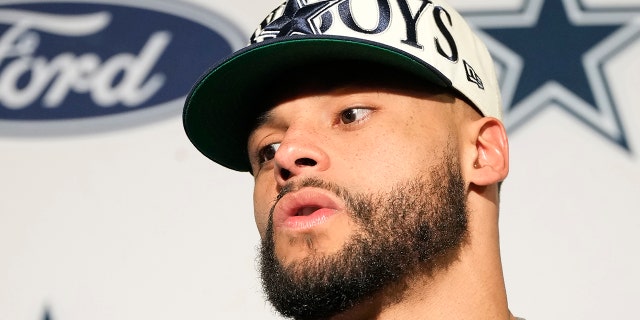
<point x="553" y="53"/>
<point x="297" y="18"/>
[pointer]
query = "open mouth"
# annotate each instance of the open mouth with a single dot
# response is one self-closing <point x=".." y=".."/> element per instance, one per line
<point x="306" y="211"/>
<point x="305" y="208"/>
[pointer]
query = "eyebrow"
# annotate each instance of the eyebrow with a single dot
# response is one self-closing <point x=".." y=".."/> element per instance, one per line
<point x="264" y="119"/>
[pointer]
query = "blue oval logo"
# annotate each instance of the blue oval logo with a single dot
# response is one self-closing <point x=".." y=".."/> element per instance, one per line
<point x="86" y="60"/>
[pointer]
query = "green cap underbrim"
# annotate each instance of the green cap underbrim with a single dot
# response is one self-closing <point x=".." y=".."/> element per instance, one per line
<point x="222" y="108"/>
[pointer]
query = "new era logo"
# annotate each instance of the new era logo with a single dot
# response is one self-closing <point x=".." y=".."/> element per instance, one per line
<point x="472" y="76"/>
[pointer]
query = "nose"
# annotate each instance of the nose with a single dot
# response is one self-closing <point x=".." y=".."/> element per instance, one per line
<point x="300" y="153"/>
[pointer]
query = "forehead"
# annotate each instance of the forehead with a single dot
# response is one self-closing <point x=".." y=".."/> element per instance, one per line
<point x="346" y="95"/>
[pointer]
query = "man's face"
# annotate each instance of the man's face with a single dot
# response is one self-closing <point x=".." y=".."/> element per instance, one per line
<point x="363" y="189"/>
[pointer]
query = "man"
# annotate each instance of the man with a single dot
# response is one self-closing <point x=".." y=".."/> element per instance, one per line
<point x="373" y="132"/>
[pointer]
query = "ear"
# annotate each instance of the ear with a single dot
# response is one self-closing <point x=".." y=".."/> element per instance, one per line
<point x="491" y="162"/>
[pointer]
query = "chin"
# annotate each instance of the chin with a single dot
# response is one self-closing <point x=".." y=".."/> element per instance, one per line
<point x="295" y="247"/>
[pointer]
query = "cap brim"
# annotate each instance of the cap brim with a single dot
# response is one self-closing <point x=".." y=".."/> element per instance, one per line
<point x="222" y="108"/>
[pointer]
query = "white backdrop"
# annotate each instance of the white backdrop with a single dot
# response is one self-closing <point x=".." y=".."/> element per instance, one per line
<point x="135" y="224"/>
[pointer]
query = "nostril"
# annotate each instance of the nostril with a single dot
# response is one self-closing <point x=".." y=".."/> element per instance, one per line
<point x="306" y="162"/>
<point x="285" y="174"/>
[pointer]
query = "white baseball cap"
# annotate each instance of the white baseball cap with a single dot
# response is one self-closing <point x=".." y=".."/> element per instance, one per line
<point x="425" y="39"/>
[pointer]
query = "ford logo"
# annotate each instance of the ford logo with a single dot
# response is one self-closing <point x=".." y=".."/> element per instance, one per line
<point x="83" y="66"/>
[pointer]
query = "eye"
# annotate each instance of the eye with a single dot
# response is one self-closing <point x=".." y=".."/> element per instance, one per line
<point x="267" y="153"/>
<point x="352" y="115"/>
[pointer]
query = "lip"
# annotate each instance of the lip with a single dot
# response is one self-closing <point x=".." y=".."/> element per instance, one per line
<point x="318" y="206"/>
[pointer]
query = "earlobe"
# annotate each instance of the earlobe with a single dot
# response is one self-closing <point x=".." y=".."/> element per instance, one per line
<point x="491" y="164"/>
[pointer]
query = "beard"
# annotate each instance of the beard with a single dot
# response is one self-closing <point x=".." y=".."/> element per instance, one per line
<point x="415" y="227"/>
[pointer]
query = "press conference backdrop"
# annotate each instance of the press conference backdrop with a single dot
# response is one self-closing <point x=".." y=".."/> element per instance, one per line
<point x="108" y="213"/>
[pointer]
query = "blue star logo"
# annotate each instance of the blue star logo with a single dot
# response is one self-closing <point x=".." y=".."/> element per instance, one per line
<point x="553" y="53"/>
<point x="297" y="18"/>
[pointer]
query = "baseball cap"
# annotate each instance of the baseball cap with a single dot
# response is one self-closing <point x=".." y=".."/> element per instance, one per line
<point x="425" y="39"/>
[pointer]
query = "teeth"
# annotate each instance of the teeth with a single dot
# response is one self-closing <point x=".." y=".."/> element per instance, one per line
<point x="306" y="211"/>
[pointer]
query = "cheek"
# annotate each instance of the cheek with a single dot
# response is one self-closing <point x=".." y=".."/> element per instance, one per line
<point x="391" y="160"/>
<point x="380" y="161"/>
